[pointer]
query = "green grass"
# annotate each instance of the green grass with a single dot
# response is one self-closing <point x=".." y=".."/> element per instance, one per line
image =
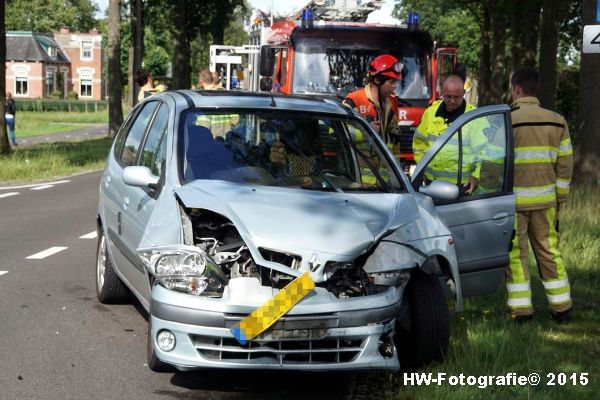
<point x="484" y="342"/>
<point x="30" y="123"/>
<point x="50" y="160"/>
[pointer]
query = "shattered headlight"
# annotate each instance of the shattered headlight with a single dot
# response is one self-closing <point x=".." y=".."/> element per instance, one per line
<point x="185" y="269"/>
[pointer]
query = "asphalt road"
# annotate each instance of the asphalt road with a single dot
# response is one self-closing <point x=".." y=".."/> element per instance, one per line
<point x="58" y="342"/>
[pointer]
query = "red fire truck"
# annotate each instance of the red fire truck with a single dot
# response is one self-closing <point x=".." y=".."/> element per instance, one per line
<point x="331" y="58"/>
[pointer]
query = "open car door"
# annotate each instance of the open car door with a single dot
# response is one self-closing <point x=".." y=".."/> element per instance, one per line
<point x="478" y="144"/>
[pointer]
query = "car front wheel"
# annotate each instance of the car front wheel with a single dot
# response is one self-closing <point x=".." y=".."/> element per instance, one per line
<point x="109" y="287"/>
<point x="426" y="338"/>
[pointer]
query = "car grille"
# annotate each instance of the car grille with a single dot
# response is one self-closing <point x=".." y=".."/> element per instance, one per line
<point x="284" y="352"/>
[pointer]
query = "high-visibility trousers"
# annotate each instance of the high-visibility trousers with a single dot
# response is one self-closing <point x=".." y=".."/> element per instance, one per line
<point x="537" y="227"/>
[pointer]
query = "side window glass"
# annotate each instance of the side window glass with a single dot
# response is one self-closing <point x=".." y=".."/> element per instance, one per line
<point x="154" y="151"/>
<point x="136" y="133"/>
<point x="477" y="151"/>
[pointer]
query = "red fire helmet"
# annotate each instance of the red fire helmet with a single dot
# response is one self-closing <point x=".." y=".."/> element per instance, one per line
<point x="386" y="65"/>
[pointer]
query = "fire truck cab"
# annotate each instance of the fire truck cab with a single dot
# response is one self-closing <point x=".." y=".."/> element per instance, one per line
<point x="332" y="58"/>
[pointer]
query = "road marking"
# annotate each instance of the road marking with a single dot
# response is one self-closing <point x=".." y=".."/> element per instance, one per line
<point x="33" y="185"/>
<point x="91" y="235"/>
<point x="46" y="253"/>
<point x="3" y="272"/>
<point x="9" y="194"/>
<point x="41" y="187"/>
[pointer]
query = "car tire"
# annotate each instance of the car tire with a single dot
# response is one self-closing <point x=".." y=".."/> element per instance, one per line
<point x="109" y="287"/>
<point x="153" y="362"/>
<point x="427" y="339"/>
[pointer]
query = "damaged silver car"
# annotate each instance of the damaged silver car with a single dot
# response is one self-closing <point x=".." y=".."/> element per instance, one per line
<point x="210" y="203"/>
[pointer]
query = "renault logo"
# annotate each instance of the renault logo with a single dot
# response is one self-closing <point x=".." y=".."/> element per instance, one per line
<point x="314" y="263"/>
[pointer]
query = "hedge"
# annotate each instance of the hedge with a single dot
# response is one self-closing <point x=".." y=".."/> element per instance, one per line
<point x="60" y="105"/>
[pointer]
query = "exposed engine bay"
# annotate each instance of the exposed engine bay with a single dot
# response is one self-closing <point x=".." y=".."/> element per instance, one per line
<point x="218" y="237"/>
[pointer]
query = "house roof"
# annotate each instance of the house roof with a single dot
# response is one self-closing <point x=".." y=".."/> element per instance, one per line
<point x="28" y="46"/>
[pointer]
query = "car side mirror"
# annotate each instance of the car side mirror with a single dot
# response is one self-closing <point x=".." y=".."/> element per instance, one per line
<point x="440" y="190"/>
<point x="265" y="84"/>
<point x="267" y="60"/>
<point x="140" y="176"/>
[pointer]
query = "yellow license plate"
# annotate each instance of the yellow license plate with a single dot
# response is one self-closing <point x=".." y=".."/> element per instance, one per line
<point x="266" y="315"/>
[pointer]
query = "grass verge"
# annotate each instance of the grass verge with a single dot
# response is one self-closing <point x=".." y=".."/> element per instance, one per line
<point x="30" y="123"/>
<point x="50" y="160"/>
<point x="483" y="342"/>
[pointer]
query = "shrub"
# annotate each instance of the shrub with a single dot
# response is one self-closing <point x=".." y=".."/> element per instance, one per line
<point x="57" y="94"/>
<point x="72" y="95"/>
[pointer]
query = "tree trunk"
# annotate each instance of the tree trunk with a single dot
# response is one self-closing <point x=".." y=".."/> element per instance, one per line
<point x="548" y="50"/>
<point x="587" y="150"/>
<point x="4" y="144"/>
<point x="498" y="67"/>
<point x="181" y="48"/>
<point x="531" y="22"/>
<point x="516" y="27"/>
<point x="136" y="48"/>
<point x="484" y="72"/>
<point x="115" y="107"/>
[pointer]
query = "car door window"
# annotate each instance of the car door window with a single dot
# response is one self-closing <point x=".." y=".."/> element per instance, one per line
<point x="135" y="134"/>
<point x="155" y="148"/>
<point x="478" y="150"/>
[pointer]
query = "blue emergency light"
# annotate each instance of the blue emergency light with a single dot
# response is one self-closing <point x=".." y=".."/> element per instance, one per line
<point x="413" y="20"/>
<point x="307" y="18"/>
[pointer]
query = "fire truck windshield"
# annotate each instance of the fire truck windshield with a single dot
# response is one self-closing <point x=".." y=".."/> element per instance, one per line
<point x="321" y="66"/>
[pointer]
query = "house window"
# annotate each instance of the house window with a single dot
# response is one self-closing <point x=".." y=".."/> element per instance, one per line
<point x="85" y="84"/>
<point x="86" y="49"/>
<point x="50" y="78"/>
<point x="21" y="82"/>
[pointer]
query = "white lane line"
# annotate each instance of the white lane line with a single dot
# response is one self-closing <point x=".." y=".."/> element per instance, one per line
<point x="41" y="187"/>
<point x="47" y="252"/>
<point x="9" y="194"/>
<point x="91" y="235"/>
<point x="3" y="272"/>
<point x="34" y="185"/>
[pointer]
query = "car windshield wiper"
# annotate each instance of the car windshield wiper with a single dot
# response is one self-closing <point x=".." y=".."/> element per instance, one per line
<point x="383" y="183"/>
<point x="306" y="158"/>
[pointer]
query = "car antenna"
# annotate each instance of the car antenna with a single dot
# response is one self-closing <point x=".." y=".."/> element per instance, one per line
<point x="273" y="104"/>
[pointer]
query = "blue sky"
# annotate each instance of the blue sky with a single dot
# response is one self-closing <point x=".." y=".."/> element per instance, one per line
<point x="382" y="16"/>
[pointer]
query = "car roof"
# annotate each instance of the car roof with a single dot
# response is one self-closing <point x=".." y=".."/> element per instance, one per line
<point x="260" y="100"/>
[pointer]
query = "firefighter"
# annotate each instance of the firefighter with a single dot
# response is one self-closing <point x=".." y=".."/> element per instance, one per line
<point x="434" y="122"/>
<point x="384" y="71"/>
<point x="543" y="169"/>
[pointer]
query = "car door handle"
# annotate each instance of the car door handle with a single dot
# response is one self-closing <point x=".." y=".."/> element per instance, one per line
<point x="126" y="203"/>
<point x="501" y="217"/>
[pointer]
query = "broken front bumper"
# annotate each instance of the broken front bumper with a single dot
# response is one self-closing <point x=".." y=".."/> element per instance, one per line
<point x="319" y="333"/>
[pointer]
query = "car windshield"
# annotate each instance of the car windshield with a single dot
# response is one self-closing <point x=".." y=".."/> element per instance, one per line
<point x="289" y="149"/>
<point x="321" y="68"/>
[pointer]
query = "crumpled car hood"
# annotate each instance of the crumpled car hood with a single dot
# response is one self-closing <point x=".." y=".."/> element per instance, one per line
<point x="303" y="220"/>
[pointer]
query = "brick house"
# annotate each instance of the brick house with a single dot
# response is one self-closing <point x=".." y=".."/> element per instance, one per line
<point x="38" y="64"/>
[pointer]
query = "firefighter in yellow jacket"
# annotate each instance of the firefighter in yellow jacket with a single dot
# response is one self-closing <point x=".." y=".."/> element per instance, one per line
<point x="435" y="121"/>
<point x="543" y="169"/>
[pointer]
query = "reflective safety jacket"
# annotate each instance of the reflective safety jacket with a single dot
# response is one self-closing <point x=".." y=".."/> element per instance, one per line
<point x="543" y="155"/>
<point x="362" y="101"/>
<point x="444" y="165"/>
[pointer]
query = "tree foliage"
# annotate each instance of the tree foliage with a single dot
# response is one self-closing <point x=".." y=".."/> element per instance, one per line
<point x="50" y="15"/>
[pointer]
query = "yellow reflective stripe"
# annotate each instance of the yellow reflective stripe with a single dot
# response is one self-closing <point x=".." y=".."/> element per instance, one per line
<point x="555" y="284"/>
<point x="516" y="268"/>
<point x="565" y="148"/>
<point x="553" y="242"/>
<point x="539" y="194"/>
<point x="518" y="287"/>
<point x="267" y="314"/>
<point x="519" y="302"/>
<point x="559" y="298"/>
<point x="562" y="186"/>
<point x="528" y="156"/>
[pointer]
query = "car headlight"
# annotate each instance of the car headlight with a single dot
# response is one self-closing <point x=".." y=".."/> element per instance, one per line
<point x="184" y="269"/>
